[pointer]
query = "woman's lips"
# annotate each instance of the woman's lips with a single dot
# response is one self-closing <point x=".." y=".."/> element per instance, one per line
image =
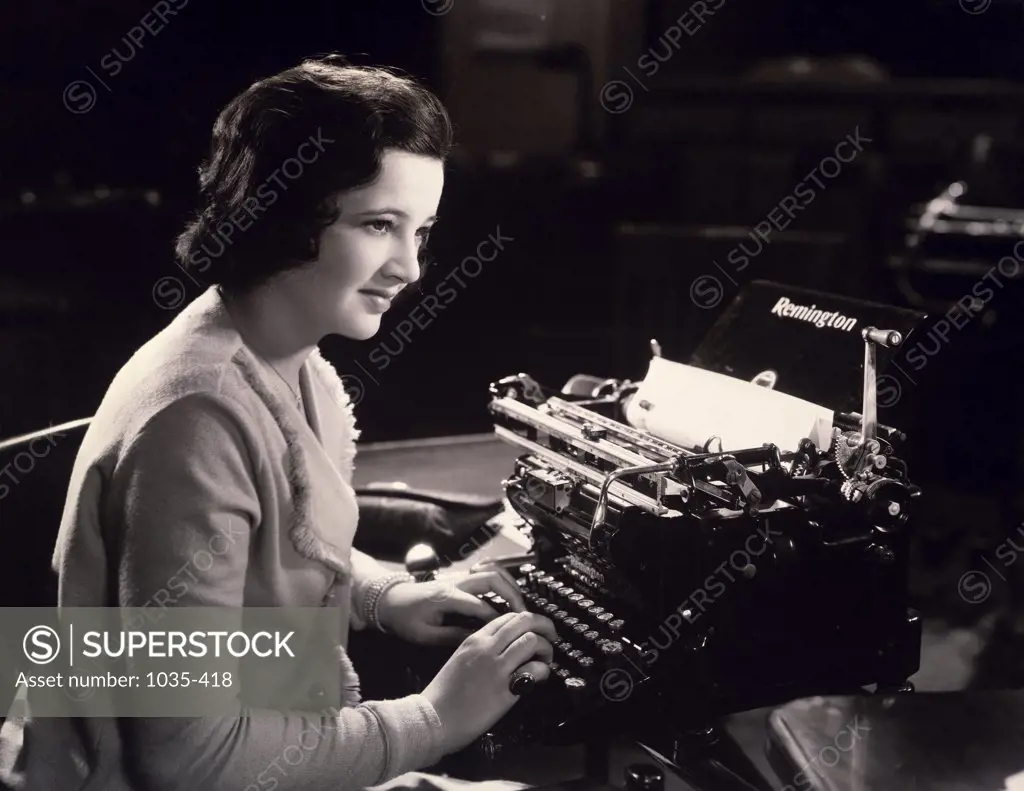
<point x="377" y="300"/>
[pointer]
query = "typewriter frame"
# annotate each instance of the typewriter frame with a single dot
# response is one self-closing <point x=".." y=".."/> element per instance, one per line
<point x="586" y="479"/>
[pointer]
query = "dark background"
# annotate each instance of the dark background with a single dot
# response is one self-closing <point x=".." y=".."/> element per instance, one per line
<point x="92" y="201"/>
<point x="612" y="215"/>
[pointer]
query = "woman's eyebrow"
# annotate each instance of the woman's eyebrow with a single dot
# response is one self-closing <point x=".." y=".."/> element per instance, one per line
<point x="397" y="212"/>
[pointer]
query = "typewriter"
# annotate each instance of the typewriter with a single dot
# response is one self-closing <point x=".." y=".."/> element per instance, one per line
<point x="691" y="582"/>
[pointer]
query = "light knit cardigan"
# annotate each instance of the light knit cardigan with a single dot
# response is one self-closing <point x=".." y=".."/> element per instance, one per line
<point x="195" y="437"/>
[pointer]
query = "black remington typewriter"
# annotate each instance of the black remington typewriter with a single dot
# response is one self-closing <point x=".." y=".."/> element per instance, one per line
<point x="688" y="582"/>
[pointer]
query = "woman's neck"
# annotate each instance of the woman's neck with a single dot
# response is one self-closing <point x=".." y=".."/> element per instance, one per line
<point x="269" y="325"/>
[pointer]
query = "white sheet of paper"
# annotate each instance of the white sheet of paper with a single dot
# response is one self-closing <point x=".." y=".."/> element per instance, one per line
<point x="1015" y="782"/>
<point x="689" y="405"/>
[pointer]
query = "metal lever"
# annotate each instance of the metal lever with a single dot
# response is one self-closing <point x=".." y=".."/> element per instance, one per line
<point x="505" y="562"/>
<point x="736" y="475"/>
<point x="873" y="338"/>
<point x="601" y="509"/>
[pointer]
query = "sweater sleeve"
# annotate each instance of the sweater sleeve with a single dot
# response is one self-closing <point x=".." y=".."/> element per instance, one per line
<point x="187" y="483"/>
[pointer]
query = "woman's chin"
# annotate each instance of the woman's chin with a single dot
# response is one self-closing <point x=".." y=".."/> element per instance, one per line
<point x="360" y="329"/>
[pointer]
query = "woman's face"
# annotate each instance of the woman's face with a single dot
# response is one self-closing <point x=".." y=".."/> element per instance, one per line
<point x="372" y="251"/>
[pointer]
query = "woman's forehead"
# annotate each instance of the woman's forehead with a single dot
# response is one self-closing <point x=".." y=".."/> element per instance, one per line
<point x="408" y="183"/>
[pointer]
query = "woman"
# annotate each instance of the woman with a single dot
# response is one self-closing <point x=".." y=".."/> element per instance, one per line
<point x="228" y="429"/>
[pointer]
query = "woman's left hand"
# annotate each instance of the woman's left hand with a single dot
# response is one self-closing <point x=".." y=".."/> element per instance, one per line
<point x="415" y="611"/>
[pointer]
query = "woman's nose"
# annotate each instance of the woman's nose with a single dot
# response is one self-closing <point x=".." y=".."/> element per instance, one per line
<point x="405" y="262"/>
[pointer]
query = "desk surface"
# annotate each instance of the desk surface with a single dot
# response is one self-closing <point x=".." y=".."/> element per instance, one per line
<point x="954" y="741"/>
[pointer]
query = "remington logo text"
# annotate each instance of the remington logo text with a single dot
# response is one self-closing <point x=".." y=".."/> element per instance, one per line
<point x="814" y="315"/>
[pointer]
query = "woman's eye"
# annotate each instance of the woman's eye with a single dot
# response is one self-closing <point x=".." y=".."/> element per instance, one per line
<point x="380" y="226"/>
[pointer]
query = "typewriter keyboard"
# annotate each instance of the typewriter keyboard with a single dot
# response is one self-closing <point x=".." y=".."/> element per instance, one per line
<point x="593" y="661"/>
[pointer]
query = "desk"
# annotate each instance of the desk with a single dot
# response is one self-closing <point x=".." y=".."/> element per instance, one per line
<point x="955" y="741"/>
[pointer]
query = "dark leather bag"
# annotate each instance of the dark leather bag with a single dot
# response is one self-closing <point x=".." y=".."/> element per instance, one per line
<point x="394" y="517"/>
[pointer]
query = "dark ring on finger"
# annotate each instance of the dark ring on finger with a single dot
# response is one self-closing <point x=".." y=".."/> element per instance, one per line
<point x="521" y="683"/>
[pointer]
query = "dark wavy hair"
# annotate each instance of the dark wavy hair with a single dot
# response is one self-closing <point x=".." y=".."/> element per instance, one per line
<point x="280" y="152"/>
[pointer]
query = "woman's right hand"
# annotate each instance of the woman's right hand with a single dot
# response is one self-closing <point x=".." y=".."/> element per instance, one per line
<point x="470" y="693"/>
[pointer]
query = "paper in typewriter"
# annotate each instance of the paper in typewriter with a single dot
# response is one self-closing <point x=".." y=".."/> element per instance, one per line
<point x="687" y="406"/>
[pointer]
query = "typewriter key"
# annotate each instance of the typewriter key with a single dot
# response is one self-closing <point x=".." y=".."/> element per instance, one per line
<point x="581" y="628"/>
<point x="611" y="647"/>
<point x="586" y="604"/>
<point x="576" y="598"/>
<point x="546" y="580"/>
<point x="595" y="611"/>
<point x="605" y="617"/>
<point x="564" y="645"/>
<point x="556" y="585"/>
<point x="616" y="625"/>
<point x="575" y="654"/>
<point x="550" y="609"/>
<point x="592" y="637"/>
<point x="574" y="683"/>
<point x="565" y="592"/>
<point x="570" y="622"/>
<point x="559" y="615"/>
<point x="526" y="568"/>
<point x="586" y="661"/>
<point x="562" y="673"/>
<point x="540" y="601"/>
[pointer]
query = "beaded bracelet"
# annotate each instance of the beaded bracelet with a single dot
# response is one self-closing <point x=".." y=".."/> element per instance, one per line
<point x="375" y="592"/>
